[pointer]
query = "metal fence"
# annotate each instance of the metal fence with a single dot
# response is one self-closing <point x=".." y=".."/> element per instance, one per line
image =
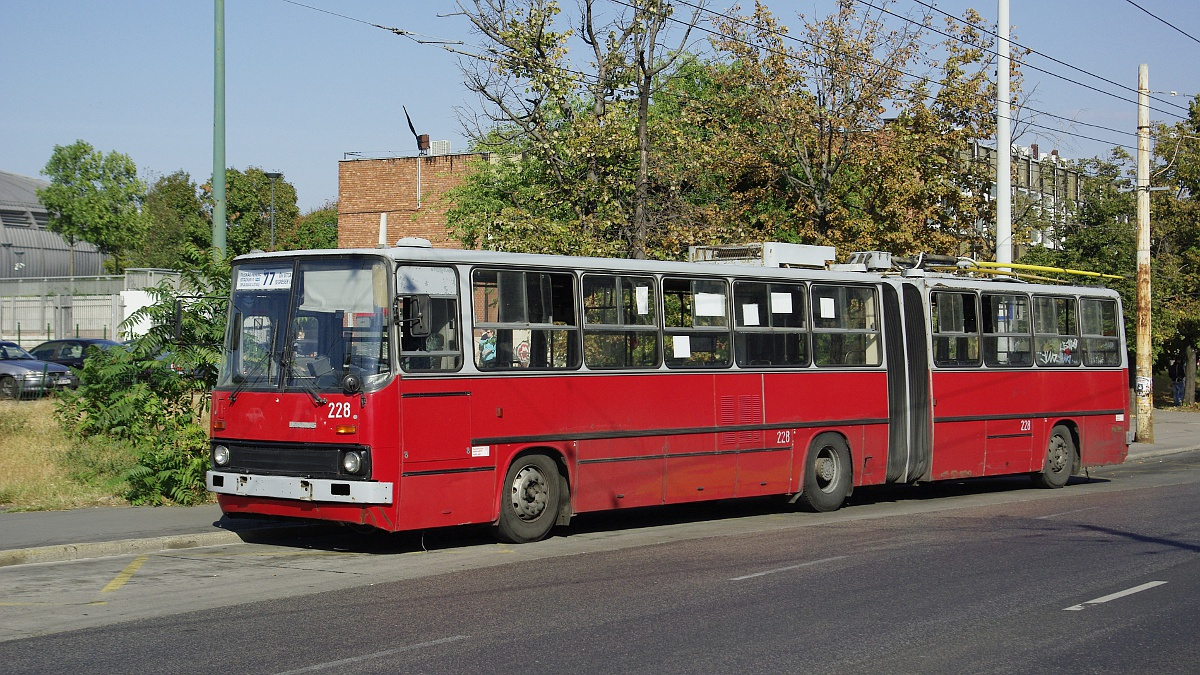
<point x="38" y="309"/>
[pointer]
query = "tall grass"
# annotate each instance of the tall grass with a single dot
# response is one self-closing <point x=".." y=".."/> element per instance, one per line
<point x="41" y="469"/>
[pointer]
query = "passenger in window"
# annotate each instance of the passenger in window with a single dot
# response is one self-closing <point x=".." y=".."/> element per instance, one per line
<point x="487" y="349"/>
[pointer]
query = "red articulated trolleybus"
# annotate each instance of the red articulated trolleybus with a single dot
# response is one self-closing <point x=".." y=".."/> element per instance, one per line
<point x="412" y="387"/>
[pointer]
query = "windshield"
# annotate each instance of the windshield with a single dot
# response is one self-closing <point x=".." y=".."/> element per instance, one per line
<point x="10" y="351"/>
<point x="307" y="324"/>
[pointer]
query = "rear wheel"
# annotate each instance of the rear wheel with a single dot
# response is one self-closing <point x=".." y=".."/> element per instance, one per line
<point x="8" y="388"/>
<point x="529" y="505"/>
<point x="1060" y="460"/>
<point x="827" y="474"/>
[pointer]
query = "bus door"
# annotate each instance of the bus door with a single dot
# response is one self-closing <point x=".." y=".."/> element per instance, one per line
<point x="909" y="400"/>
<point x="445" y="480"/>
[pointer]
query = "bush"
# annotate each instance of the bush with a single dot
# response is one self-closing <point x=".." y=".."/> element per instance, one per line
<point x="152" y="396"/>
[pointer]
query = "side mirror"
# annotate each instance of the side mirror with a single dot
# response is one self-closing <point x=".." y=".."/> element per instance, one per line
<point x="418" y="313"/>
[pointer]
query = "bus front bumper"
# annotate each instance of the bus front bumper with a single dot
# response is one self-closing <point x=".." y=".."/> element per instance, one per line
<point x="303" y="489"/>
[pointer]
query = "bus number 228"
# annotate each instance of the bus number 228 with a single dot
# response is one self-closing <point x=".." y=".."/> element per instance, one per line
<point x="339" y="410"/>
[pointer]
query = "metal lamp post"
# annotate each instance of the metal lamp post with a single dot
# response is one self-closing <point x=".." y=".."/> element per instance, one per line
<point x="273" y="176"/>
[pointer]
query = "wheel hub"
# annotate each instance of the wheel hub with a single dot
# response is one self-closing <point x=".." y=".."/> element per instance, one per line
<point x="529" y="493"/>
<point x="1057" y="455"/>
<point x="826" y="470"/>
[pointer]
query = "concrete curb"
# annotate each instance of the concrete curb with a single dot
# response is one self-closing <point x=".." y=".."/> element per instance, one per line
<point x="104" y="549"/>
<point x="101" y="549"/>
<point x="1161" y="452"/>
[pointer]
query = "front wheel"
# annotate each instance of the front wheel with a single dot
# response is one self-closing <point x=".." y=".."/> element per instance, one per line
<point x="529" y="505"/>
<point x="1060" y="460"/>
<point x="827" y="474"/>
<point x="8" y="388"/>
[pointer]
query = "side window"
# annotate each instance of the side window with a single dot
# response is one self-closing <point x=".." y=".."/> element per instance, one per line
<point x="1101" y="339"/>
<point x="1055" y="331"/>
<point x="1006" y="339"/>
<point x="770" y="324"/>
<point x="620" y="322"/>
<point x="46" y="351"/>
<point x="441" y="350"/>
<point x="524" y="320"/>
<point x="845" y="326"/>
<point x="954" y="318"/>
<point x="695" y="323"/>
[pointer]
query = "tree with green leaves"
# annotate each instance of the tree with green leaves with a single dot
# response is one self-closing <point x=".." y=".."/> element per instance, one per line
<point x="316" y="229"/>
<point x="248" y="209"/>
<point x="175" y="221"/>
<point x="95" y="198"/>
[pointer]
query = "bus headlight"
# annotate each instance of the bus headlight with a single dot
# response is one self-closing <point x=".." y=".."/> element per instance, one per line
<point x="220" y="455"/>
<point x="352" y="462"/>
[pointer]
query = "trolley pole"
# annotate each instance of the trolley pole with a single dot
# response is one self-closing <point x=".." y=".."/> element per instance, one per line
<point x="1145" y="372"/>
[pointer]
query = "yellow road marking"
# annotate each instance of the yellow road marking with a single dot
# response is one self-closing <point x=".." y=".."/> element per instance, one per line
<point x="124" y="576"/>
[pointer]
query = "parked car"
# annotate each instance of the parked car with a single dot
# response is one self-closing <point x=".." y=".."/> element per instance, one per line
<point x="22" y="375"/>
<point x="69" y="351"/>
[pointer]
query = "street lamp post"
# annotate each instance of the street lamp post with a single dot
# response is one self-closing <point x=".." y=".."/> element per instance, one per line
<point x="273" y="176"/>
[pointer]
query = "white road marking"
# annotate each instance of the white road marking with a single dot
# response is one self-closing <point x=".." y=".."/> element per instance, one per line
<point x="1067" y="513"/>
<point x="788" y="568"/>
<point x="1114" y="596"/>
<point x="376" y="655"/>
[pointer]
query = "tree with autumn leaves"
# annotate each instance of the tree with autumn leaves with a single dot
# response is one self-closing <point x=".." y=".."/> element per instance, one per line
<point x="822" y="138"/>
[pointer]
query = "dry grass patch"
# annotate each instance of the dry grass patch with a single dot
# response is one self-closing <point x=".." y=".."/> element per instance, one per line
<point x="42" y="469"/>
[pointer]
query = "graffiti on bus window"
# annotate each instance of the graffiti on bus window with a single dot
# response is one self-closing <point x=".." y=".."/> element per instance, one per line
<point x="1058" y="352"/>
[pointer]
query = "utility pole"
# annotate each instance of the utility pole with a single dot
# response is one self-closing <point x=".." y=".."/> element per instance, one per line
<point x="218" y="174"/>
<point x="1003" y="140"/>
<point x="1145" y="373"/>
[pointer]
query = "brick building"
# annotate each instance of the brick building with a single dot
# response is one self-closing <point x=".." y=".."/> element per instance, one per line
<point x="410" y="190"/>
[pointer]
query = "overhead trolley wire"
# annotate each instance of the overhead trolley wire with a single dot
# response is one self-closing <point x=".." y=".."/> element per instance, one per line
<point x="449" y="45"/>
<point x="1068" y="65"/>
<point x="415" y="37"/>
<point x="893" y="69"/>
<point x="1168" y="23"/>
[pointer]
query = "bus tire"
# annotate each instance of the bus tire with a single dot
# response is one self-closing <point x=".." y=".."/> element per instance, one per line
<point x="530" y="500"/>
<point x="1060" y="460"/>
<point x="827" y="474"/>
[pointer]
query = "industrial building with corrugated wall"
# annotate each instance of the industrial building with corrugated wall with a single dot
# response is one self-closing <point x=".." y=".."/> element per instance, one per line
<point x="27" y="248"/>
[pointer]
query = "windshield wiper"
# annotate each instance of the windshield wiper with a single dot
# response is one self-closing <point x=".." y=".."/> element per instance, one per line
<point x="288" y="366"/>
<point x="271" y="358"/>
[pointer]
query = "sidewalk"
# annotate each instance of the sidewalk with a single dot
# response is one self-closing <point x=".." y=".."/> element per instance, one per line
<point x="51" y="536"/>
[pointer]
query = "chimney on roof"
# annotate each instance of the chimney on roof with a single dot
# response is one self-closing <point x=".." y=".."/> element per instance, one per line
<point x="1033" y="150"/>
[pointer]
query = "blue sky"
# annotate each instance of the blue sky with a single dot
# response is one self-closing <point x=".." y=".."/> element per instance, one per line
<point x="305" y="87"/>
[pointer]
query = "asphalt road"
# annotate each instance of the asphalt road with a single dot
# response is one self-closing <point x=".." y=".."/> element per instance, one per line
<point x="978" y="576"/>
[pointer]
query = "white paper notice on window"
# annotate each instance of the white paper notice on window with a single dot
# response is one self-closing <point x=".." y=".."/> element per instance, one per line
<point x="641" y="295"/>
<point x="827" y="309"/>
<point x="781" y="303"/>
<point x="682" y="345"/>
<point x="710" y="304"/>
<point x="750" y="315"/>
<point x="264" y="279"/>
